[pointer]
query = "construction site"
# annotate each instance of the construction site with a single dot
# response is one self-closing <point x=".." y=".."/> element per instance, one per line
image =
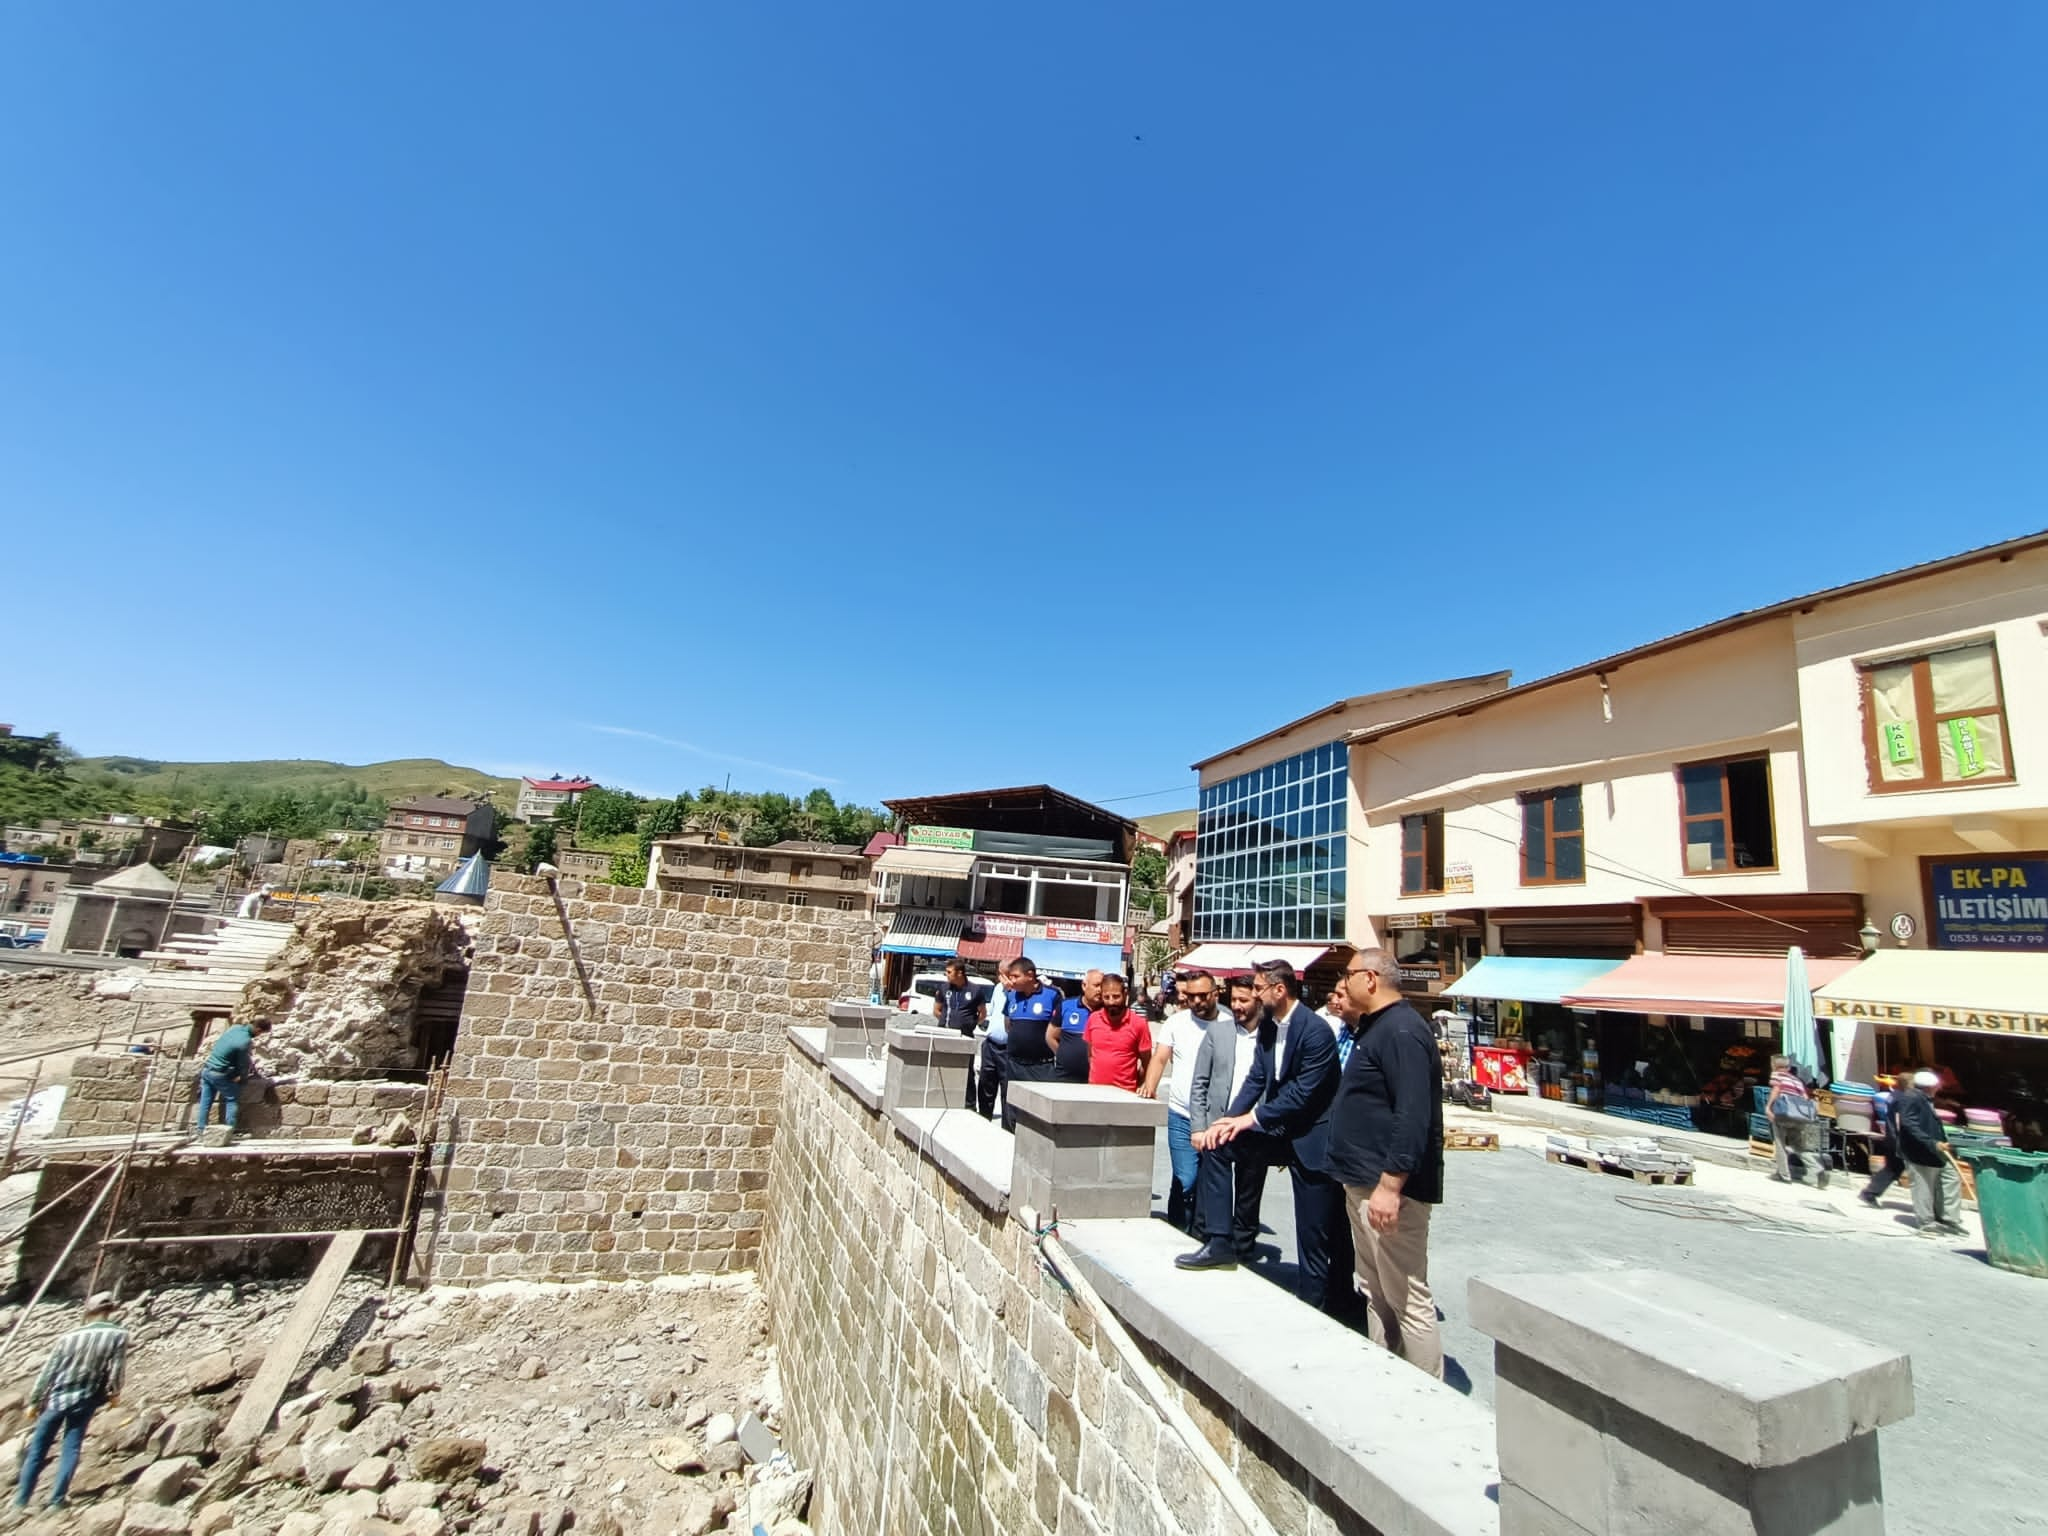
<point x="280" y="1282"/>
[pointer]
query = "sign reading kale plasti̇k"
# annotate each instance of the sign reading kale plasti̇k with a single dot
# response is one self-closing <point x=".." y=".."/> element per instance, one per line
<point x="1997" y="902"/>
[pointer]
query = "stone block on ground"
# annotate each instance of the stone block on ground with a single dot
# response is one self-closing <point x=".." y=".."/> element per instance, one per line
<point x="380" y="1430"/>
<point x="725" y="1459"/>
<point x="212" y="1519"/>
<point x="127" y="1431"/>
<point x="677" y="1454"/>
<point x="402" y="1498"/>
<point x="372" y="1357"/>
<point x="371" y="1473"/>
<point x="689" y="1512"/>
<point x="187" y="1432"/>
<point x="154" y="1520"/>
<point x="329" y="1459"/>
<point x="102" y="1519"/>
<point x="448" y="1458"/>
<point x="302" y="1522"/>
<point x="225" y="1478"/>
<point x="165" y="1482"/>
<point x="777" y="1498"/>
<point x="424" y="1522"/>
<point x="213" y="1372"/>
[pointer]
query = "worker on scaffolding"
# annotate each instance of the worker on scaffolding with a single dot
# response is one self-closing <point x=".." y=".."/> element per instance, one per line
<point x="82" y="1375"/>
<point x="226" y="1069"/>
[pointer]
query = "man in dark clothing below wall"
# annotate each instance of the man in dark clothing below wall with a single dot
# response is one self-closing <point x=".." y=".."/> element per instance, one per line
<point x="1387" y="1146"/>
<point x="1937" y="1187"/>
<point x="226" y="1070"/>
<point x="1033" y="1016"/>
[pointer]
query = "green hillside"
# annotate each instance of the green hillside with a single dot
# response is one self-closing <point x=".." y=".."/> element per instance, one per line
<point x="393" y="780"/>
<point x="1166" y="823"/>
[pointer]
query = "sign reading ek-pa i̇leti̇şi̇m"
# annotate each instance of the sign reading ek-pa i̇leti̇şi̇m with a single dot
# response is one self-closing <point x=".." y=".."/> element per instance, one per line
<point x="1988" y="903"/>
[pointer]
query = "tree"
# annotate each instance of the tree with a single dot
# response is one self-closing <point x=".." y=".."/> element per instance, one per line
<point x="606" y="812"/>
<point x="1148" y="881"/>
<point x="665" y="819"/>
<point x="629" y="869"/>
<point x="540" y="846"/>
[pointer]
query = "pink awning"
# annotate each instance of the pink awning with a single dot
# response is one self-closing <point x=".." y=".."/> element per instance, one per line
<point x="1712" y="986"/>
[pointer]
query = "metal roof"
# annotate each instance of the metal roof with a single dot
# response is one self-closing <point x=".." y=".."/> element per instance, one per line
<point x="472" y="877"/>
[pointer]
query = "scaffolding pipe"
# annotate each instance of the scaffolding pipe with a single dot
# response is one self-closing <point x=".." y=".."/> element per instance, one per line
<point x="62" y="1259"/>
<point x="120" y="1185"/>
<point x="408" y="1219"/>
<point x="20" y="1115"/>
<point x="36" y="1215"/>
<point x="239" y="1237"/>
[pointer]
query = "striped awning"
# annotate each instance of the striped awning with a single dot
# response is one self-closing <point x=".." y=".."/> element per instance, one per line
<point x="946" y="863"/>
<point x="924" y="933"/>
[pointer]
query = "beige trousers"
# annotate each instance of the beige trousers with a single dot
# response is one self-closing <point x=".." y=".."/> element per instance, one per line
<point x="1393" y="1276"/>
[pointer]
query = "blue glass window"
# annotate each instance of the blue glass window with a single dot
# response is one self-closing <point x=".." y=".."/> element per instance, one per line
<point x="1270" y="851"/>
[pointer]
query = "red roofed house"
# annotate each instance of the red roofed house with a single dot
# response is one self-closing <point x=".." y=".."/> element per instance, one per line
<point x="541" y="799"/>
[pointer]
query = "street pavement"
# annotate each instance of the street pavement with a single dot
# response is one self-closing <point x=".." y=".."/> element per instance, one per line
<point x="1969" y="1459"/>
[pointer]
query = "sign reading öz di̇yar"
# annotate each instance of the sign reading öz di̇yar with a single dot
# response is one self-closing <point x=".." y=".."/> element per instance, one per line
<point x="1998" y="901"/>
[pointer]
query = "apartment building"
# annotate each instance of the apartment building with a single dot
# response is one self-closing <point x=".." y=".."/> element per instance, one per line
<point x="426" y="837"/>
<point x="790" y="873"/>
<point x="545" y="799"/>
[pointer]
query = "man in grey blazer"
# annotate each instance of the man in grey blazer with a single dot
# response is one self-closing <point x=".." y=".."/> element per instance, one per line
<point x="1221" y="1066"/>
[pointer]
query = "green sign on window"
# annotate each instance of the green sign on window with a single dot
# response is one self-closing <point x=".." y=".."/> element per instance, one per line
<point x="1898" y="742"/>
<point x="1962" y="739"/>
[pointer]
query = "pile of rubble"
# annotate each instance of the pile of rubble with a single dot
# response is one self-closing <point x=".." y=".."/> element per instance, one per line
<point x="620" y="1410"/>
<point x="343" y="993"/>
<point x="44" y="1008"/>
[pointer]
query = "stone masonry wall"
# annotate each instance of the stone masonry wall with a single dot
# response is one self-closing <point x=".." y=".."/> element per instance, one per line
<point x="906" y="1314"/>
<point x="106" y="1094"/>
<point x="635" y="1143"/>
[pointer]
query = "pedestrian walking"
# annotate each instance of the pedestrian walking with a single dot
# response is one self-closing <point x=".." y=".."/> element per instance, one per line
<point x="82" y="1376"/>
<point x="962" y="1004"/>
<point x="1176" y="1050"/>
<point x="1937" y="1186"/>
<point x="225" y="1070"/>
<point x="1281" y="1117"/>
<point x="1119" y="1039"/>
<point x="1797" y="1136"/>
<point x="1884" y="1108"/>
<point x="1387" y="1146"/>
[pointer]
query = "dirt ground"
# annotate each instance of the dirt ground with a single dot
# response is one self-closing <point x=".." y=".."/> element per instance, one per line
<point x="603" y="1408"/>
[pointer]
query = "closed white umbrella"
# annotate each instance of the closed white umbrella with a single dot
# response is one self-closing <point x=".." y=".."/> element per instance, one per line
<point x="1802" y="1040"/>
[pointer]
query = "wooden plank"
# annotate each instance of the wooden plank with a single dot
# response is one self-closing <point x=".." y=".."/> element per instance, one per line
<point x="253" y="1413"/>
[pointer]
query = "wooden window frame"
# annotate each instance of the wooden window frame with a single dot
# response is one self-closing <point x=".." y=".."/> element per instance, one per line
<point x="1725" y="816"/>
<point x="1431" y="845"/>
<point x="1548" y="797"/>
<point x="1930" y="723"/>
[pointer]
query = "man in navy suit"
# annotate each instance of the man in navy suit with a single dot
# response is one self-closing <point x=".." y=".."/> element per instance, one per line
<point x="1280" y="1116"/>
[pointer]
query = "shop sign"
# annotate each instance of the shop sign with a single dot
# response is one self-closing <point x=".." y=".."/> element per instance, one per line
<point x="1402" y="920"/>
<point x="991" y="925"/>
<point x="1422" y="973"/>
<point x="960" y="839"/>
<point x="1073" y="931"/>
<point x="1458" y="878"/>
<point x="1917" y="1016"/>
<point x="1988" y="903"/>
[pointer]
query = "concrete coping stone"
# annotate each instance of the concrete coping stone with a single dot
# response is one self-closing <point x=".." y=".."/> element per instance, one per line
<point x="1409" y="1455"/>
<point x="867" y="1014"/>
<point x="1754" y="1382"/>
<point x="809" y="1040"/>
<point x="933" y="1042"/>
<point x="862" y="1079"/>
<point x="974" y="1153"/>
<point x="1081" y="1104"/>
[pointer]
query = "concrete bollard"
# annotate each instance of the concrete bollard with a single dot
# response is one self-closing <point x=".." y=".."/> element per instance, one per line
<point x="1636" y="1401"/>
<point x="1083" y="1150"/>
<point x="927" y="1068"/>
<point x="858" y="1029"/>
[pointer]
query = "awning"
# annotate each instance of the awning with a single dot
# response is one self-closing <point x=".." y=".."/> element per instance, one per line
<point x="1712" y="986"/>
<point x="1943" y="989"/>
<point x="991" y="946"/>
<point x="924" y="933"/>
<point x="1071" y="957"/>
<point x="1218" y="959"/>
<point x="1300" y="956"/>
<point x="947" y="863"/>
<point x="1527" y="979"/>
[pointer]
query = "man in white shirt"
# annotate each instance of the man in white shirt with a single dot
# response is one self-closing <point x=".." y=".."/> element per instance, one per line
<point x="1175" y="1047"/>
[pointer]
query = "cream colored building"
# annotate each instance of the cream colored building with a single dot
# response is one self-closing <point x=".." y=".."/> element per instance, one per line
<point x="797" y="874"/>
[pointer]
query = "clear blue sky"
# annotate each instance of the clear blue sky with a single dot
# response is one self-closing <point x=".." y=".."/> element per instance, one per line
<point x="457" y="380"/>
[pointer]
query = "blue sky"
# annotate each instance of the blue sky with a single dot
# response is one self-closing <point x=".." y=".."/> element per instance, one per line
<point x="913" y="398"/>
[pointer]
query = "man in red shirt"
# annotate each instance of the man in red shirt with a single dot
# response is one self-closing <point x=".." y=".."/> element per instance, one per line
<point x="1119" y="1039"/>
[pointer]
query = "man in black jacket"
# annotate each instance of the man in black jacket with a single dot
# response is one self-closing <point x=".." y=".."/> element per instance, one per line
<point x="1280" y="1116"/>
<point x="1937" y="1187"/>
<point x="1387" y="1146"/>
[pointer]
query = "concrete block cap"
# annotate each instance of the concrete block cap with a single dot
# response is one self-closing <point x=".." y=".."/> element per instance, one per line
<point x="1081" y="1104"/>
<point x="1754" y="1382"/>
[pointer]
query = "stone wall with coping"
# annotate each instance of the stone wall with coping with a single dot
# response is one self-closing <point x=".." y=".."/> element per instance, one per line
<point x="911" y="1314"/>
<point x="106" y="1093"/>
<point x="634" y="1143"/>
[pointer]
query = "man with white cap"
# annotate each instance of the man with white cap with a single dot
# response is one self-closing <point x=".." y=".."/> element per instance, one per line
<point x="1937" y="1187"/>
<point x="82" y="1375"/>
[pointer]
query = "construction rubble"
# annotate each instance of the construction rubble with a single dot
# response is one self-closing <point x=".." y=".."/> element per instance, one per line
<point x="345" y="991"/>
<point x="622" y="1409"/>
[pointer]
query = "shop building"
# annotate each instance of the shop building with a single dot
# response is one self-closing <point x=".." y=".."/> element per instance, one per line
<point x="1272" y="844"/>
<point x="993" y="874"/>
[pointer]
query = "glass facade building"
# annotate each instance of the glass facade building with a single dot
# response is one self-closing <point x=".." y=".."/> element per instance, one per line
<point x="1269" y="851"/>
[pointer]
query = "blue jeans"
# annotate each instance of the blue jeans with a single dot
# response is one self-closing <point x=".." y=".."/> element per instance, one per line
<point x="219" y="1084"/>
<point x="1181" y="1151"/>
<point x="72" y="1422"/>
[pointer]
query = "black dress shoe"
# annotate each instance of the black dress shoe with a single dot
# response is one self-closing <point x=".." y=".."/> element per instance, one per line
<point x="1208" y="1256"/>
